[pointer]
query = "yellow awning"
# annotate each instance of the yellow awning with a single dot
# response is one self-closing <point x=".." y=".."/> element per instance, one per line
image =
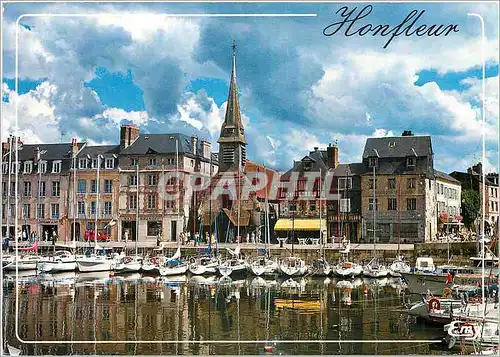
<point x="307" y="224"/>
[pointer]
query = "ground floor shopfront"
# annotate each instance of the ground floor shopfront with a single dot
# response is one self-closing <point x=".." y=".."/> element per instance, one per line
<point x="153" y="227"/>
<point x="348" y="225"/>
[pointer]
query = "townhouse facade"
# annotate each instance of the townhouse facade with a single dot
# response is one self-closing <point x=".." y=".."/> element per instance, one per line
<point x="42" y="190"/>
<point x="448" y="199"/>
<point x="399" y="173"/>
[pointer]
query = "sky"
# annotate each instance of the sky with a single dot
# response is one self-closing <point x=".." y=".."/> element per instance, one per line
<point x="84" y="76"/>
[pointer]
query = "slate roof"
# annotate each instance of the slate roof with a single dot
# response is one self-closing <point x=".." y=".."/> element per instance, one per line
<point x="105" y="150"/>
<point x="349" y="169"/>
<point x="318" y="162"/>
<point x="444" y="176"/>
<point x="52" y="151"/>
<point x="162" y="144"/>
<point x="398" y="146"/>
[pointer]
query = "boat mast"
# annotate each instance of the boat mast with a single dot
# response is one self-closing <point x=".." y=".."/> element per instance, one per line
<point x="9" y="180"/>
<point x="75" y="203"/>
<point x="320" y="231"/>
<point x="238" y="196"/>
<point x="97" y="199"/>
<point x="267" y="238"/>
<point x="137" y="210"/>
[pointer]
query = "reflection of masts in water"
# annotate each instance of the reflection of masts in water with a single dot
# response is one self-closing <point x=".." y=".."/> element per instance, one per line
<point x="135" y="314"/>
<point x="268" y="317"/>
<point x="322" y="345"/>
<point x="238" y="314"/>
<point x="95" y="316"/>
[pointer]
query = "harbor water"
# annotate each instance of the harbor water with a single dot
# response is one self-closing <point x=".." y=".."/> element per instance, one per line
<point x="91" y="308"/>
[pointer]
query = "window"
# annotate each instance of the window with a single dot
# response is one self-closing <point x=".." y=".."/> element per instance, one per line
<point x="345" y="183"/>
<point x="82" y="186"/>
<point x="43" y="189"/>
<point x="134" y="162"/>
<point x="171" y="162"/>
<point x="5" y="168"/>
<point x="132" y="180"/>
<point x="93" y="206"/>
<point x="14" y="167"/>
<point x="152" y="161"/>
<point x="27" y="189"/>
<point x="56" y="167"/>
<point x="154" y="228"/>
<point x="82" y="163"/>
<point x="108" y="186"/>
<point x="132" y="202"/>
<point x="345" y="205"/>
<point x="392" y="204"/>
<point x="411" y="183"/>
<point x="371" y="183"/>
<point x="93" y="186"/>
<point x="3" y="210"/>
<point x="26" y="210"/>
<point x="42" y="167"/>
<point x="81" y="207"/>
<point x="12" y="188"/>
<point x="496" y="206"/>
<point x="56" y="188"/>
<point x="94" y="163"/>
<point x="40" y="213"/>
<point x="292" y="207"/>
<point x="107" y="208"/>
<point x="372" y="162"/>
<point x="410" y="161"/>
<point x="411" y="204"/>
<point x="391" y="183"/>
<point x="28" y="167"/>
<point x="152" y="180"/>
<point x="312" y="207"/>
<point x="170" y="204"/>
<point x="110" y="163"/>
<point x="370" y="204"/>
<point x="4" y="188"/>
<point x="151" y="201"/>
<point x="54" y="208"/>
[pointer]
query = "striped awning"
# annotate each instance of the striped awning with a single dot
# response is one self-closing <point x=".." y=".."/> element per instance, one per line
<point x="307" y="224"/>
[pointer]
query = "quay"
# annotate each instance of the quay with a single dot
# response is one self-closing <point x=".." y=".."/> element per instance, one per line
<point x="460" y="251"/>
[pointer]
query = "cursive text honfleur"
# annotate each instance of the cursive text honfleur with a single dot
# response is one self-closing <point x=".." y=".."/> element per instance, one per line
<point x="406" y="27"/>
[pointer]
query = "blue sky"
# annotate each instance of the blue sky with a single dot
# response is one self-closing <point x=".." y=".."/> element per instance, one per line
<point x="298" y="88"/>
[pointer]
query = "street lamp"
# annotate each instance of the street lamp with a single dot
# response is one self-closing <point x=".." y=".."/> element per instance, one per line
<point x="177" y="179"/>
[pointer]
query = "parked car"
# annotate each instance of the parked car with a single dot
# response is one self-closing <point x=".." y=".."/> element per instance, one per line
<point x="101" y="237"/>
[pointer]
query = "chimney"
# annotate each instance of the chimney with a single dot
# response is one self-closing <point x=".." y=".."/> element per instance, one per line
<point x="194" y="144"/>
<point x="5" y="146"/>
<point x="74" y="145"/>
<point x="316" y="148"/>
<point x="128" y="135"/>
<point x="407" y="133"/>
<point x="332" y="156"/>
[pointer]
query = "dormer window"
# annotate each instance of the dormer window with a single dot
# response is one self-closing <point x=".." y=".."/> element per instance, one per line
<point x="14" y="167"/>
<point x="94" y="163"/>
<point x="152" y="161"/>
<point x="56" y="167"/>
<point x="110" y="163"/>
<point x="307" y="166"/>
<point x="373" y="162"/>
<point x="410" y="161"/>
<point x="42" y="167"/>
<point x="5" y="168"/>
<point x="28" y="167"/>
<point x="82" y="164"/>
<point x="135" y="162"/>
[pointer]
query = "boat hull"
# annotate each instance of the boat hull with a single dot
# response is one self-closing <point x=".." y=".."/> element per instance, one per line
<point x="177" y="270"/>
<point x="55" y="267"/>
<point x="200" y="269"/>
<point x="86" y="266"/>
<point x="132" y="267"/>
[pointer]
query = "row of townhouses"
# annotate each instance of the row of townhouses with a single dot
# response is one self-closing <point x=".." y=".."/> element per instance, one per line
<point x="393" y="193"/>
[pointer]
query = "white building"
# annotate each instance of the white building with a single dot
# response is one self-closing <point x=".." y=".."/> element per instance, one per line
<point x="448" y="193"/>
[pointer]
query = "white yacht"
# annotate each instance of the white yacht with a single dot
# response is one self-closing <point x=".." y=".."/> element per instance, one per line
<point x="173" y="267"/>
<point x="292" y="266"/>
<point x="263" y="266"/>
<point x="128" y="264"/>
<point x="25" y="262"/>
<point x="375" y="270"/>
<point x="399" y="266"/>
<point x="204" y="265"/>
<point x="59" y="262"/>
<point x="94" y="262"/>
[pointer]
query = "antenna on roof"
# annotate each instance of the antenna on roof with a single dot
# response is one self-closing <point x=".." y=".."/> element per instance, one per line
<point x="413" y="149"/>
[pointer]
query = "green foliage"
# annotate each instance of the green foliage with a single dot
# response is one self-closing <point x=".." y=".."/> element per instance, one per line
<point x="471" y="207"/>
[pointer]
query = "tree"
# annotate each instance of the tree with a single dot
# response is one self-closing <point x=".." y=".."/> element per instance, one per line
<point x="471" y="207"/>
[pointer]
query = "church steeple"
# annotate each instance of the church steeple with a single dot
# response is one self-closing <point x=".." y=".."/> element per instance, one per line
<point x="232" y="141"/>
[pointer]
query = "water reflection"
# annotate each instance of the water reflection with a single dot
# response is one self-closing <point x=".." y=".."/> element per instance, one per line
<point x="96" y="307"/>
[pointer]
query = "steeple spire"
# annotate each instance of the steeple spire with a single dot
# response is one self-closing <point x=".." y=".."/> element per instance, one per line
<point x="232" y="141"/>
<point x="232" y="128"/>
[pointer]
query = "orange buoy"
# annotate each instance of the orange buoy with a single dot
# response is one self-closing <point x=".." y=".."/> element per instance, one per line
<point x="111" y="274"/>
<point x="268" y="349"/>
